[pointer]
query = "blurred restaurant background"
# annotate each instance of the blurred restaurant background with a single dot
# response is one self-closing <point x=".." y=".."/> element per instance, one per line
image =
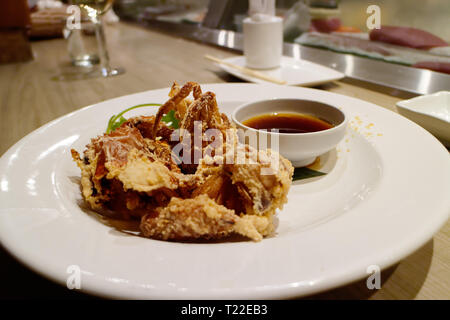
<point x="433" y="15"/>
<point x="326" y="24"/>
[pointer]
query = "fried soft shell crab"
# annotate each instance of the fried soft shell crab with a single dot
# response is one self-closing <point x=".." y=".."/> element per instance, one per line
<point x="133" y="171"/>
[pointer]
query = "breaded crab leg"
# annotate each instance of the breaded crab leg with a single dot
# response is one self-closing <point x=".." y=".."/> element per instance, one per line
<point x="201" y="217"/>
<point x="174" y="101"/>
<point x="204" y="109"/>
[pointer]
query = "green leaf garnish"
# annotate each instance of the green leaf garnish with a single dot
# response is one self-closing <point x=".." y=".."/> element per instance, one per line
<point x="171" y="120"/>
<point x="305" y="173"/>
<point x="117" y="120"/>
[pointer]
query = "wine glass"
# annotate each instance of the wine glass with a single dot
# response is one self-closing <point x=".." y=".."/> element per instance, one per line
<point x="94" y="10"/>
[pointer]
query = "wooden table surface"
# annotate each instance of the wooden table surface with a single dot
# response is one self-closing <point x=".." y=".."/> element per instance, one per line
<point x="30" y="98"/>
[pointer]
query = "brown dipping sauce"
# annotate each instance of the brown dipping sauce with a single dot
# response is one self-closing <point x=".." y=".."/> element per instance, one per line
<point x="288" y="123"/>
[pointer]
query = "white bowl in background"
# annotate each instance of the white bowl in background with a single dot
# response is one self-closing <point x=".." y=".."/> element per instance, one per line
<point x="431" y="111"/>
<point x="300" y="148"/>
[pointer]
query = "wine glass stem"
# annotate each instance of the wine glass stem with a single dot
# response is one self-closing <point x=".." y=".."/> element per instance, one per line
<point x="102" y="49"/>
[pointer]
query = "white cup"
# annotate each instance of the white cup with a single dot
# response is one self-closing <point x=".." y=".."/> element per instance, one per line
<point x="263" y="41"/>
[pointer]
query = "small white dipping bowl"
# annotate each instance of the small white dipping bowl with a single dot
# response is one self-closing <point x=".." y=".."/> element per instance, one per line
<point x="300" y="148"/>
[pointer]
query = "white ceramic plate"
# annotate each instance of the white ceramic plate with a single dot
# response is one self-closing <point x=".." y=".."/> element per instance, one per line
<point x="431" y="111"/>
<point x="293" y="71"/>
<point x="385" y="195"/>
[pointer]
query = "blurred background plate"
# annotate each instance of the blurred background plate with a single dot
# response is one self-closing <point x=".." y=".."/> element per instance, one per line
<point x="293" y="71"/>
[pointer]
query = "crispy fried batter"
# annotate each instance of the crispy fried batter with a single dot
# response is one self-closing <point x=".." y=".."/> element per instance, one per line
<point x="141" y="174"/>
<point x="263" y="180"/>
<point x="145" y="126"/>
<point x="117" y="156"/>
<point x="201" y="217"/>
<point x="132" y="171"/>
<point x="204" y="112"/>
<point x="183" y="105"/>
<point x="173" y="102"/>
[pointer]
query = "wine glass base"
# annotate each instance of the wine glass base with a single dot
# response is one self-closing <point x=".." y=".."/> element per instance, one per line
<point x="112" y="72"/>
<point x="87" y="73"/>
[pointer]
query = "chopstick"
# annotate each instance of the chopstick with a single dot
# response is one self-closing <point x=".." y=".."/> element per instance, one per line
<point x="246" y="71"/>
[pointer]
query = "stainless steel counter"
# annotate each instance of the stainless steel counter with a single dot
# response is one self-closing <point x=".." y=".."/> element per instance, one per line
<point x="396" y="76"/>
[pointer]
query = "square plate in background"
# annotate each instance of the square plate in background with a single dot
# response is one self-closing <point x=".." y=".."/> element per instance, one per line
<point x="295" y="72"/>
